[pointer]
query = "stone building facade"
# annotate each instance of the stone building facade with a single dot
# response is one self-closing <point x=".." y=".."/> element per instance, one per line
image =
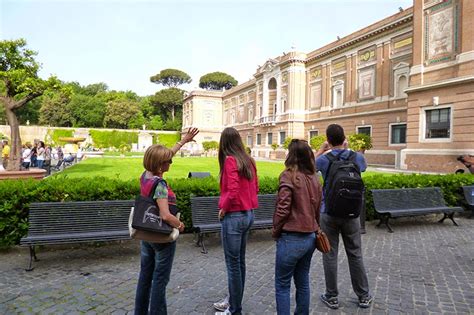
<point x="407" y="80"/>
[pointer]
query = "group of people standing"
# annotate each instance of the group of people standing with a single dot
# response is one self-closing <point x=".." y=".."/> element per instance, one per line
<point x="299" y="215"/>
<point x="36" y="155"/>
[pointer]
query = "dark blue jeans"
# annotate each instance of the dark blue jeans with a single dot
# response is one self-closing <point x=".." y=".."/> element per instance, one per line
<point x="155" y="270"/>
<point x="293" y="260"/>
<point x="235" y="230"/>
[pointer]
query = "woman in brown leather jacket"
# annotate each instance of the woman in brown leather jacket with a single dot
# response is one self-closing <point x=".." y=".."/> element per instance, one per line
<point x="295" y="221"/>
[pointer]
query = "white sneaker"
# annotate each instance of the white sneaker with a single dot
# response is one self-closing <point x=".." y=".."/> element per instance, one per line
<point x="222" y="305"/>
<point x="226" y="312"/>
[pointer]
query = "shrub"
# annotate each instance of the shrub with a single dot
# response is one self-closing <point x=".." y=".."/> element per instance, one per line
<point x="112" y="139"/>
<point x="317" y="141"/>
<point x="210" y="145"/>
<point x="286" y="143"/>
<point x="167" y="139"/>
<point x="16" y="195"/>
<point x="359" y="141"/>
<point x="275" y="146"/>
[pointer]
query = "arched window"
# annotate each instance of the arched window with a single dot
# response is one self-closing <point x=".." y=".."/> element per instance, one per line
<point x="272" y="84"/>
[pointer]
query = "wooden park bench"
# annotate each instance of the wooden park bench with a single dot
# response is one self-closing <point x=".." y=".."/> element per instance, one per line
<point x="393" y="203"/>
<point x="205" y="209"/>
<point x="469" y="196"/>
<point x="53" y="223"/>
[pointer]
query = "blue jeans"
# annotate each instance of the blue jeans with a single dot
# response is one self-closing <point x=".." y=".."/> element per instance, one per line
<point x="235" y="230"/>
<point x="293" y="260"/>
<point x="39" y="163"/>
<point x="155" y="270"/>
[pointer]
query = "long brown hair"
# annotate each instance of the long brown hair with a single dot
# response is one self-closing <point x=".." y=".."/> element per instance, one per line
<point x="231" y="144"/>
<point x="300" y="157"/>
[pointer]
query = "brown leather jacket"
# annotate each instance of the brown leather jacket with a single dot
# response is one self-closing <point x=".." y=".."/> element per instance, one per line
<point x="298" y="203"/>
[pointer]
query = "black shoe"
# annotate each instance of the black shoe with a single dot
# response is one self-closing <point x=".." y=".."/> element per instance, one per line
<point x="330" y="302"/>
<point x="365" y="302"/>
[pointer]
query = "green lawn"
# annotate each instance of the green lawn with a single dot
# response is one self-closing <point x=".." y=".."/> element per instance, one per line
<point x="130" y="168"/>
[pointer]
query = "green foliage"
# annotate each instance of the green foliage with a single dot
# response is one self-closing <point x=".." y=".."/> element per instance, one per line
<point x="286" y="143"/>
<point x="87" y="111"/>
<point x="55" y="110"/>
<point x="168" y="140"/>
<point x="155" y="123"/>
<point x="210" y="145"/>
<point x="275" y="146"/>
<point x="53" y="135"/>
<point x="168" y="101"/>
<point x="217" y="81"/>
<point x="112" y="139"/>
<point x="119" y="112"/>
<point x="16" y="195"/>
<point x="316" y="142"/>
<point x="171" y="78"/>
<point x="359" y="141"/>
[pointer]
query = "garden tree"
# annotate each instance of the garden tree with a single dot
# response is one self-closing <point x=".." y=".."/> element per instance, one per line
<point x="137" y="121"/>
<point x="87" y="111"/>
<point x="168" y="100"/>
<point x="155" y="123"/>
<point x="171" y="78"/>
<point x="217" y="81"/>
<point x="119" y="112"/>
<point x="55" y="109"/>
<point x="19" y="84"/>
<point x="146" y="106"/>
<point x="94" y="89"/>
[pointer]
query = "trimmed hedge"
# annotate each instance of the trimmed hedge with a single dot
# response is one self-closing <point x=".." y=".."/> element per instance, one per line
<point x="55" y="134"/>
<point x="112" y="139"/>
<point x="168" y="140"/>
<point x="17" y="194"/>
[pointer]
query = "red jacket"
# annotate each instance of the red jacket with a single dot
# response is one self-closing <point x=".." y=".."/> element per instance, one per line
<point x="237" y="192"/>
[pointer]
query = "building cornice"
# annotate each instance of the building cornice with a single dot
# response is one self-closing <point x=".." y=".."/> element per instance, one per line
<point x="373" y="30"/>
<point x="444" y="83"/>
<point x="205" y="93"/>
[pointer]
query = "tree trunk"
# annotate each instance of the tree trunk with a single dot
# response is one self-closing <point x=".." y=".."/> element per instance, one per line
<point x="15" y="141"/>
<point x="172" y="113"/>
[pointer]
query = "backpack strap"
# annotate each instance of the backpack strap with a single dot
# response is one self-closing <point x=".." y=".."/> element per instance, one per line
<point x="332" y="158"/>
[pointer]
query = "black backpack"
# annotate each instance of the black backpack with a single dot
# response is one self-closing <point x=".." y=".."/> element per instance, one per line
<point x="344" y="188"/>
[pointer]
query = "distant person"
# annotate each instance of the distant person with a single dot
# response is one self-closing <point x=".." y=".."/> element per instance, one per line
<point x="295" y="222"/>
<point x="238" y="199"/>
<point x="335" y="149"/>
<point x="26" y="156"/>
<point x="156" y="260"/>
<point x="40" y="154"/>
<point x="5" y="153"/>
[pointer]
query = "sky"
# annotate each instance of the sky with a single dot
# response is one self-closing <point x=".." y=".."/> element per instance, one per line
<point x="124" y="42"/>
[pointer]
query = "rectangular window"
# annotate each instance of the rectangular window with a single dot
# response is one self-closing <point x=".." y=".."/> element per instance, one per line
<point x="259" y="139"/>
<point x="282" y="136"/>
<point x="367" y="130"/>
<point x="249" y="141"/>
<point x="269" y="138"/>
<point x="313" y="133"/>
<point x="398" y="134"/>
<point x="438" y="123"/>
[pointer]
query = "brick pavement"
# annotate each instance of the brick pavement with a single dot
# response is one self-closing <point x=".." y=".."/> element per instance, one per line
<point x="434" y="274"/>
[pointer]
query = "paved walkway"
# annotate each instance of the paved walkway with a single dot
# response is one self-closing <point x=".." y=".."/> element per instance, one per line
<point x="422" y="268"/>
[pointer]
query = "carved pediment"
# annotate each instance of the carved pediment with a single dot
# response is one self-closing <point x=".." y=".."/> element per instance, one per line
<point x="401" y="65"/>
<point x="269" y="65"/>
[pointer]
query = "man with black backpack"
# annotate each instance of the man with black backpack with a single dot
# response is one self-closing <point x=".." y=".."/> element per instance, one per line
<point x="342" y="203"/>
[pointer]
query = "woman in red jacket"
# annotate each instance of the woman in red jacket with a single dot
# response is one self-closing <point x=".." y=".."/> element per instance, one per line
<point x="239" y="188"/>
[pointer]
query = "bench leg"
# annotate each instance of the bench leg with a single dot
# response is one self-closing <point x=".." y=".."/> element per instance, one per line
<point x="384" y="220"/>
<point x="32" y="256"/>
<point x="200" y="242"/>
